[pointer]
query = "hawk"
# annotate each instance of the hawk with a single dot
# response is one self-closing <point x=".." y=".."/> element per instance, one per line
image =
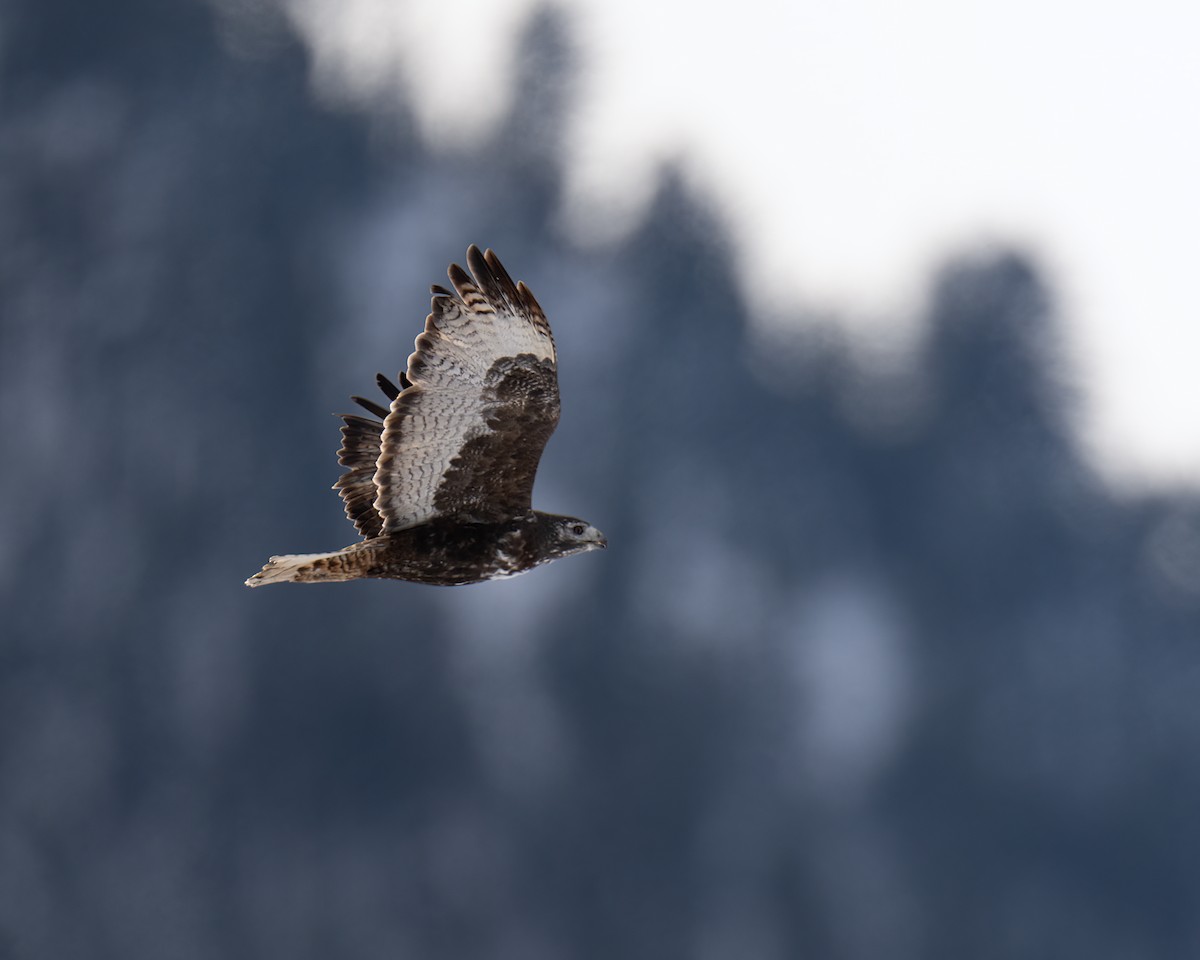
<point x="440" y="485"/>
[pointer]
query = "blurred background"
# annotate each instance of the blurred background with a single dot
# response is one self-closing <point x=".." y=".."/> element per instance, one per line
<point x="895" y="652"/>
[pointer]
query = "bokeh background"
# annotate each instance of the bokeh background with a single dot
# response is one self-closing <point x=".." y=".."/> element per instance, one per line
<point x="877" y="664"/>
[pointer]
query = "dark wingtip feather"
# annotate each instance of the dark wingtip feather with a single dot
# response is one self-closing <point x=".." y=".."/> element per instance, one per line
<point x="527" y="298"/>
<point x="439" y="291"/>
<point x="370" y="405"/>
<point x="354" y="420"/>
<point x="493" y="262"/>
<point x="477" y="263"/>
<point x="502" y="282"/>
<point x="386" y="385"/>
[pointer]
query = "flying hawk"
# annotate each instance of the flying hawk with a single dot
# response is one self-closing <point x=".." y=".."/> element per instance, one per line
<point x="440" y="486"/>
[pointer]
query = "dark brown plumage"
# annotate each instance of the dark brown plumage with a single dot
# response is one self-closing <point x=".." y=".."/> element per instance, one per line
<point x="441" y="484"/>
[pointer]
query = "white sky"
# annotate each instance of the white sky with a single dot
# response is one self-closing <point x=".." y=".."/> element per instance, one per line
<point x="853" y="146"/>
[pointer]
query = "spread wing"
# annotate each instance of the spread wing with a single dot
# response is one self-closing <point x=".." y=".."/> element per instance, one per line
<point x="361" y="440"/>
<point x="465" y="435"/>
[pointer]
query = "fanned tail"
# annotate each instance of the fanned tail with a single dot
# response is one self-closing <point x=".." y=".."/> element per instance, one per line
<point x="303" y="568"/>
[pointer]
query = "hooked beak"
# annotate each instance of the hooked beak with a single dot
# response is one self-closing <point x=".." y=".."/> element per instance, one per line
<point x="598" y="539"/>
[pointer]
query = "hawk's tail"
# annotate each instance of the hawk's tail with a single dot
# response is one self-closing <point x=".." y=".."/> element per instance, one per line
<point x="305" y="568"/>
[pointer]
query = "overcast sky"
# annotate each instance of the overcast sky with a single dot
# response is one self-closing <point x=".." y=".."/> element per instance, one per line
<point x="854" y="146"/>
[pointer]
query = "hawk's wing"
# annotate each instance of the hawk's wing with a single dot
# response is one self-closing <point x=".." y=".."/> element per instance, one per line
<point x="465" y="435"/>
<point x="361" y="440"/>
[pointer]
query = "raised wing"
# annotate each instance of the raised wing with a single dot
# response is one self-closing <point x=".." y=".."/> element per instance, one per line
<point x="466" y="436"/>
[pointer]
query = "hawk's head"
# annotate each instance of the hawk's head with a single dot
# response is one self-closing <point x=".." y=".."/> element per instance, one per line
<point x="566" y="536"/>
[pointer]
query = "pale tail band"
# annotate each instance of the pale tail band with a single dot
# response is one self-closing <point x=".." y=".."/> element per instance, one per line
<point x="299" y="567"/>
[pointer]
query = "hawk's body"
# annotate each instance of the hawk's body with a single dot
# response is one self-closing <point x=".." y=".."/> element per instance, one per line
<point x="441" y="486"/>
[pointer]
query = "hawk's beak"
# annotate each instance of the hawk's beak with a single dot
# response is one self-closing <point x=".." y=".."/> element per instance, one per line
<point x="599" y="539"/>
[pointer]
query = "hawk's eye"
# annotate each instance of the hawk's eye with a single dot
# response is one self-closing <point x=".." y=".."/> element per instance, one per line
<point x="578" y="529"/>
